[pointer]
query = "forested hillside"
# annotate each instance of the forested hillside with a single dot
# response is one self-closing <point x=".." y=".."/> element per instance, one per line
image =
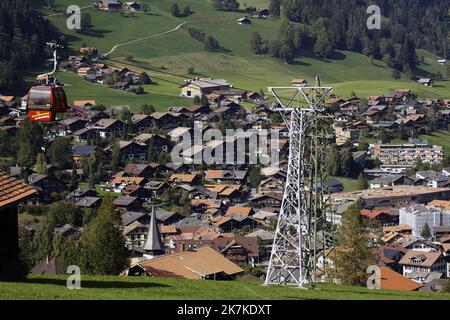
<point x="330" y="24"/>
<point x="23" y="34"/>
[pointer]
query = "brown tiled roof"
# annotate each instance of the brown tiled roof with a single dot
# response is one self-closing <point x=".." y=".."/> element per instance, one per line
<point x="427" y="259"/>
<point x="392" y="280"/>
<point x="214" y="174"/>
<point x="129" y="180"/>
<point x="13" y="190"/>
<point x="240" y="211"/>
<point x="187" y="178"/>
<point x="444" y="204"/>
<point x="191" y="264"/>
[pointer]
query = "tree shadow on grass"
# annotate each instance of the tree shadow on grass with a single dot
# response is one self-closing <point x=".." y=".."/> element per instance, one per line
<point x="96" y="284"/>
<point x="97" y="33"/>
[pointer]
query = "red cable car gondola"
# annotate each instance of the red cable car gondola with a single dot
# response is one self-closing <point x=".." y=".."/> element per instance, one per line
<point x="44" y="102"/>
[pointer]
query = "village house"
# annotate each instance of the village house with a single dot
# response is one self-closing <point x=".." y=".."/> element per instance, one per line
<point x="124" y="203"/>
<point x="160" y="143"/>
<point x="13" y="192"/>
<point x="271" y="185"/>
<point x="244" y="20"/>
<point x="180" y="178"/>
<point x="80" y="153"/>
<point x="202" y="263"/>
<point x="132" y="151"/>
<point x="138" y="170"/>
<point x="88" y="203"/>
<point x="237" y="249"/>
<point x="132" y="6"/>
<point x="68" y="126"/>
<point x="204" y="86"/>
<point x="118" y="183"/>
<point x="84" y="135"/>
<point x="45" y="185"/>
<point x="267" y="200"/>
<point x="389" y="181"/>
<point x="77" y="194"/>
<point x="227" y="176"/>
<point x="383" y="215"/>
<point x="233" y="222"/>
<point x="110" y="5"/>
<point x="68" y="232"/>
<point x="141" y="122"/>
<point x="109" y="127"/>
<point x="128" y="217"/>
<point x="346" y="135"/>
<point x="417" y="265"/>
<point x="169" y="120"/>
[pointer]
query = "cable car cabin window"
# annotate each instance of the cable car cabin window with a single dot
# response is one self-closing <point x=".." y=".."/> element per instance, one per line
<point x="39" y="97"/>
<point x="60" y="102"/>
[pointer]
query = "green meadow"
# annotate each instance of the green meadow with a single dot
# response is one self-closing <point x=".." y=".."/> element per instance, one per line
<point x="146" y="288"/>
<point x="168" y="57"/>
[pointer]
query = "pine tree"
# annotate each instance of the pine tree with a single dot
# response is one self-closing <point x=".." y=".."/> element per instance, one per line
<point x="352" y="254"/>
<point x="41" y="164"/>
<point x="103" y="245"/>
<point x="74" y="178"/>
<point x="30" y="140"/>
<point x="175" y="10"/>
<point x="144" y="78"/>
<point x="333" y="164"/>
<point x="204" y="100"/>
<point x="274" y="8"/>
<point x="151" y="153"/>
<point x="60" y="153"/>
<point x="115" y="156"/>
<point x="256" y="43"/>
<point x="426" y="231"/>
<point x="362" y="182"/>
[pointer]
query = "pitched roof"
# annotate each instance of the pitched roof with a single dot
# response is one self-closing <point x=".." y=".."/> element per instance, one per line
<point x="186" y="178"/>
<point x="240" y="211"/>
<point x="444" y="204"/>
<point x="392" y="280"/>
<point x="13" y="190"/>
<point x="196" y="264"/>
<point x="128" y="180"/>
<point x="426" y="259"/>
<point x="130" y="216"/>
<point x="79" y="151"/>
<point x="124" y="201"/>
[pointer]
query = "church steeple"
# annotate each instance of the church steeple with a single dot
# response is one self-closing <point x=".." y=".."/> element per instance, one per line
<point x="154" y="245"/>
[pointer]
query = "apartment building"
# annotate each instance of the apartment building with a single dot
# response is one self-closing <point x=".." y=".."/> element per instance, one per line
<point x="346" y="135"/>
<point x="418" y="215"/>
<point x="408" y="153"/>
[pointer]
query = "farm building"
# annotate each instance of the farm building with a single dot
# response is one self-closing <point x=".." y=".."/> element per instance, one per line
<point x="204" y="86"/>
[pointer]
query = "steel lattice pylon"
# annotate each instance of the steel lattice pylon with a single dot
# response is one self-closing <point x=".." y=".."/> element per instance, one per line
<point x="293" y="256"/>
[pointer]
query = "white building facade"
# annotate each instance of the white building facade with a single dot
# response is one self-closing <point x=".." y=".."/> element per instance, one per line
<point x="418" y="215"/>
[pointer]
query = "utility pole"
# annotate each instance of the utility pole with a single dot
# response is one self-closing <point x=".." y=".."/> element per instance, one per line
<point x="302" y="230"/>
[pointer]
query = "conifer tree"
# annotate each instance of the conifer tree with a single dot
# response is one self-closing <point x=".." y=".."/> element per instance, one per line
<point x="352" y="254"/>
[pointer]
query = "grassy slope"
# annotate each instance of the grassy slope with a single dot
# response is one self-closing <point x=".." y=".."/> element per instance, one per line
<point x="38" y="287"/>
<point x="176" y="52"/>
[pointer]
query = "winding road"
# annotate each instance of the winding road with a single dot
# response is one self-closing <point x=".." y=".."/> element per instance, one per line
<point x="145" y="38"/>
